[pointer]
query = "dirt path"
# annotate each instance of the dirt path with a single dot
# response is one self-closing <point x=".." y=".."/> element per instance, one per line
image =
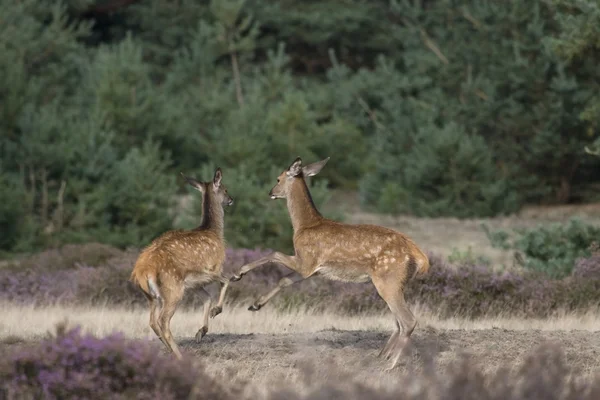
<point x="271" y="358"/>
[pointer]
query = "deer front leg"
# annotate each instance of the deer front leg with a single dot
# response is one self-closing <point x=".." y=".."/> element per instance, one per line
<point x="284" y="282"/>
<point x="276" y="257"/>
<point x="216" y="310"/>
<point x="204" y="329"/>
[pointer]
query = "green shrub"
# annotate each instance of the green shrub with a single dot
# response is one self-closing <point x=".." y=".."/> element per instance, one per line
<point x="467" y="257"/>
<point x="552" y="248"/>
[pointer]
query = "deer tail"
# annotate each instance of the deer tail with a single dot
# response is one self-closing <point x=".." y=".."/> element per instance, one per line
<point x="417" y="265"/>
<point x="145" y="279"/>
<point x="422" y="265"/>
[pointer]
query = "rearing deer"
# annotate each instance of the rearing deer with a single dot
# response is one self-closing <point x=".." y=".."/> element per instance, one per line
<point x="181" y="259"/>
<point x="344" y="252"/>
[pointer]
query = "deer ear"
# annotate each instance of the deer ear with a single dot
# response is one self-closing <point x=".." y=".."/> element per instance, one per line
<point x="314" y="168"/>
<point x="296" y="168"/>
<point x="217" y="178"/>
<point x="193" y="182"/>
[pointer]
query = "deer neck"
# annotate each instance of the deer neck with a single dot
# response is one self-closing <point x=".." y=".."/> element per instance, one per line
<point x="301" y="207"/>
<point x="213" y="214"/>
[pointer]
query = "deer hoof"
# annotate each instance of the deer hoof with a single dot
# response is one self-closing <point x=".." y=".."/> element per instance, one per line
<point x="254" y="307"/>
<point x="215" y="311"/>
<point x="235" y="278"/>
<point x="201" y="332"/>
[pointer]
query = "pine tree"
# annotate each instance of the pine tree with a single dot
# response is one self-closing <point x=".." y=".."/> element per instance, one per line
<point x="578" y="43"/>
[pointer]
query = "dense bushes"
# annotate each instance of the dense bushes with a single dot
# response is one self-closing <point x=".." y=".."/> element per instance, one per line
<point x="445" y="108"/>
<point x="447" y="172"/>
<point x="71" y="365"/>
<point x="468" y="290"/>
<point x="551" y="249"/>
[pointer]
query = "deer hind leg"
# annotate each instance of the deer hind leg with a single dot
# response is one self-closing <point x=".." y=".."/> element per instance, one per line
<point x="156" y="303"/>
<point x="172" y="297"/>
<point x="405" y="320"/>
<point x="408" y="322"/>
<point x="155" y="307"/>
<point x="284" y="282"/>
<point x="385" y="351"/>
<point x="275" y="257"/>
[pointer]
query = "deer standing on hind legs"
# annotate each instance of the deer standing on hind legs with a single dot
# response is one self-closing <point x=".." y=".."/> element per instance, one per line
<point x="344" y="252"/>
<point x="181" y="259"/>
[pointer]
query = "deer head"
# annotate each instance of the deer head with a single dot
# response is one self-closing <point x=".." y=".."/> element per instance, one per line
<point x="294" y="171"/>
<point x="216" y="187"/>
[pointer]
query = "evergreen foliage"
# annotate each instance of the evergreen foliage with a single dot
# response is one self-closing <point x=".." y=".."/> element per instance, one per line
<point x="579" y="44"/>
<point x="462" y="107"/>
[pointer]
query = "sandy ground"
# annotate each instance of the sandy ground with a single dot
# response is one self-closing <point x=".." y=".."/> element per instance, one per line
<point x="266" y="348"/>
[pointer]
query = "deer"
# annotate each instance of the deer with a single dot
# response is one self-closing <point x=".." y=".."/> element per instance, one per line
<point x="344" y="252"/>
<point x="181" y="259"/>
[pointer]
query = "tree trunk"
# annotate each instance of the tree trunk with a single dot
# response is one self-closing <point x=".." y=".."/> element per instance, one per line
<point x="564" y="191"/>
<point x="236" y="78"/>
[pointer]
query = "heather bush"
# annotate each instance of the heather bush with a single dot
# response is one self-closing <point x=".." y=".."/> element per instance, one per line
<point x="588" y="268"/>
<point x="73" y="365"/>
<point x="468" y="290"/>
<point x="551" y="248"/>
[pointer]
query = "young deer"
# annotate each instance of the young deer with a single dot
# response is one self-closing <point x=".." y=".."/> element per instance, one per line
<point x="181" y="259"/>
<point x="344" y="252"/>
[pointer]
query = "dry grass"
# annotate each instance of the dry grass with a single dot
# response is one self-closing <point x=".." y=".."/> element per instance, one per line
<point x="30" y="322"/>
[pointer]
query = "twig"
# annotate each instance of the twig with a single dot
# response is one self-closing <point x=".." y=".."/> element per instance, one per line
<point x="427" y="41"/>
<point x="481" y="94"/>
<point x="467" y="15"/>
<point x="432" y="46"/>
<point x="369" y="112"/>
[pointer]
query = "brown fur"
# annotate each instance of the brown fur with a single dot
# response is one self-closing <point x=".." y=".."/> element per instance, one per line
<point x="349" y="253"/>
<point x="181" y="259"/>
